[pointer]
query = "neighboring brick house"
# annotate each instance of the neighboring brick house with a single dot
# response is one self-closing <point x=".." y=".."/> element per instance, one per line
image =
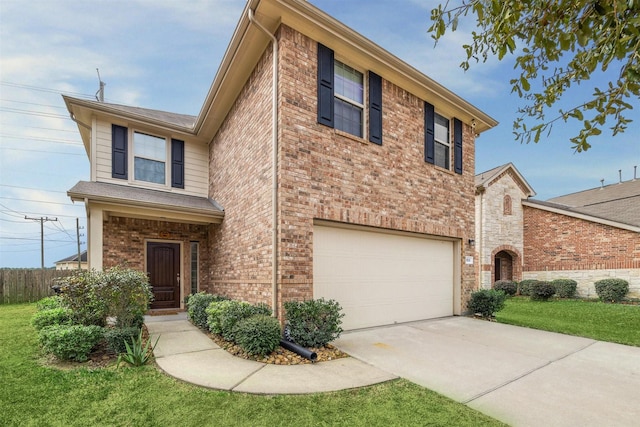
<point x="584" y="236"/>
<point x="499" y="223"/>
<point x="320" y="166"/>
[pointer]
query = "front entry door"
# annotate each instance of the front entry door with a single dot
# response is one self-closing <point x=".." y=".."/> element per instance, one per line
<point x="163" y="268"/>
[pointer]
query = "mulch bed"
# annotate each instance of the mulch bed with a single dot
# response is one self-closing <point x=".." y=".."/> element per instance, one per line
<point x="280" y="356"/>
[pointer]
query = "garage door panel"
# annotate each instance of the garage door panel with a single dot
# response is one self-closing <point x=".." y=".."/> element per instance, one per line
<point x="383" y="278"/>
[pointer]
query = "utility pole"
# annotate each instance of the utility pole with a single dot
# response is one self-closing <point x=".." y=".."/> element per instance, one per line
<point x="42" y="221"/>
<point x="78" y="234"/>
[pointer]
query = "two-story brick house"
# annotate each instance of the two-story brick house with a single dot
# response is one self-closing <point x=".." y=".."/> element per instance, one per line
<point x="320" y="165"/>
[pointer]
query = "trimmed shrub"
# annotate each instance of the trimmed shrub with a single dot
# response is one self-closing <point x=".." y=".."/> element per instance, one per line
<point x="486" y="302"/>
<point x="213" y="311"/>
<point x="507" y="286"/>
<point x="235" y="311"/>
<point x="118" y="292"/>
<point x="542" y="291"/>
<point x="313" y="323"/>
<point x="127" y="294"/>
<point x="117" y="337"/>
<point x="196" y="306"/>
<point x="524" y="287"/>
<point x="49" y="303"/>
<point x="70" y="342"/>
<point x="80" y="293"/>
<point x="51" y="317"/>
<point x="565" y="288"/>
<point x="612" y="290"/>
<point x="258" y="335"/>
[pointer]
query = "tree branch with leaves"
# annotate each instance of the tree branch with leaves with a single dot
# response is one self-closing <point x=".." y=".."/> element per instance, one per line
<point x="558" y="44"/>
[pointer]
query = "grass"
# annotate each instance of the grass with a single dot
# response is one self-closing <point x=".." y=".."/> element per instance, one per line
<point x="36" y="395"/>
<point x="616" y="323"/>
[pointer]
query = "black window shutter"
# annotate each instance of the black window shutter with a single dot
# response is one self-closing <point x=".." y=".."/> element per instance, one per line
<point x="429" y="126"/>
<point x="177" y="163"/>
<point x="119" y="158"/>
<point x="375" y="108"/>
<point x="457" y="145"/>
<point x="325" y="85"/>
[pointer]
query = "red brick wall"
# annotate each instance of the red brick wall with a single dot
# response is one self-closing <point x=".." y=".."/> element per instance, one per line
<point x="558" y="242"/>
<point x="325" y="174"/>
<point x="240" y="180"/>
<point x="124" y="244"/>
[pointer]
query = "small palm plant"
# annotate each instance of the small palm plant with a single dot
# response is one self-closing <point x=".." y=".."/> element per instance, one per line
<point x="138" y="354"/>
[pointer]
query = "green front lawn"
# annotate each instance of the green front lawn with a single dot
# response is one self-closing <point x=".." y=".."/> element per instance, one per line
<point x="34" y="395"/>
<point x="617" y="323"/>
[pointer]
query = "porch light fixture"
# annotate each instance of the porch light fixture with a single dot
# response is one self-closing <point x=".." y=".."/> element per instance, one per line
<point x="472" y="242"/>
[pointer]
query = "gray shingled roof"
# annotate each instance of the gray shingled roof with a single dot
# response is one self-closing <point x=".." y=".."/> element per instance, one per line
<point x="135" y="196"/>
<point x="182" y="120"/>
<point x="484" y="178"/>
<point x="83" y="258"/>
<point x="616" y="202"/>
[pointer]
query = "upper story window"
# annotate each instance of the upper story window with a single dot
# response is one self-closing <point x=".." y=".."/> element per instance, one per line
<point x="438" y="143"/>
<point x="349" y="99"/>
<point x="506" y="205"/>
<point x="442" y="141"/>
<point x="149" y="160"/>
<point x="152" y="158"/>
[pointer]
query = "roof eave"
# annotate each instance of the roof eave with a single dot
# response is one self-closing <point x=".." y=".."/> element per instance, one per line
<point x="578" y="215"/>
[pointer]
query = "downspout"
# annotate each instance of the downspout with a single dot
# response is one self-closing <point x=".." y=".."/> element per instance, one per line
<point x="274" y="179"/>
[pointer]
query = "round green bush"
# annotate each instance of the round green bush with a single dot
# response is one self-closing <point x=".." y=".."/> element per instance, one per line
<point x="507" y="286"/>
<point x="524" y="287"/>
<point x="197" y="305"/>
<point x="214" y="311"/>
<point x="223" y="316"/>
<point x="486" y="302"/>
<point x="49" y="303"/>
<point x="565" y="288"/>
<point x="258" y="335"/>
<point x="70" y="342"/>
<point x="612" y="290"/>
<point x="116" y="337"/>
<point x="313" y="323"/>
<point x="542" y="291"/>
<point x="51" y="317"/>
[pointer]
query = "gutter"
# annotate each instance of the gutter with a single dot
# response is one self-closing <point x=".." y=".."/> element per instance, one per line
<point x="274" y="179"/>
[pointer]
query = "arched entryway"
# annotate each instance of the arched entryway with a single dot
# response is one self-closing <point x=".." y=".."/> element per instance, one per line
<point x="502" y="266"/>
<point x="507" y="264"/>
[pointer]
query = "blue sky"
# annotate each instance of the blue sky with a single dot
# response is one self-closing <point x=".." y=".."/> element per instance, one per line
<point x="163" y="54"/>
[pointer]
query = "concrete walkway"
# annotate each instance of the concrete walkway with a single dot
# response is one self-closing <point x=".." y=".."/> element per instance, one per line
<point x="521" y="376"/>
<point x="185" y="352"/>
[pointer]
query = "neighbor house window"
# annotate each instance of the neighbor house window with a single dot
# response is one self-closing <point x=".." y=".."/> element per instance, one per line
<point x="506" y="205"/>
<point x="150" y="155"/>
<point x="348" y="99"/>
<point x="442" y="141"/>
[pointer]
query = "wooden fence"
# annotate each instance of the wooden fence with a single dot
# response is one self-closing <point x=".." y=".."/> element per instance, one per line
<point x="27" y="284"/>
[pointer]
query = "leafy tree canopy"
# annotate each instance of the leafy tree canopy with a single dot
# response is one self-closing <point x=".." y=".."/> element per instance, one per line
<point x="557" y="43"/>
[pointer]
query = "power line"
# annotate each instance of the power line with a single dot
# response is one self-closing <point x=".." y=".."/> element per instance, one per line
<point x="42" y="221"/>
<point x="31" y="188"/>
<point x="40" y="138"/>
<point x="33" y="103"/>
<point x="34" y="113"/>
<point x="43" y="89"/>
<point x="39" y="201"/>
<point x="43" y="151"/>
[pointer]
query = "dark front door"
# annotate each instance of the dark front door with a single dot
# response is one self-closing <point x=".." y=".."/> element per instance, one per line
<point x="163" y="268"/>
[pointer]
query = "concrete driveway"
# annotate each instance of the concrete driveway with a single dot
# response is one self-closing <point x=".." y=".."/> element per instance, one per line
<point x="521" y="376"/>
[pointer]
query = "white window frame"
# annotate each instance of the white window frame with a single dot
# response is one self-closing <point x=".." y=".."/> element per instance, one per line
<point x="362" y="107"/>
<point x="437" y="141"/>
<point x="132" y="159"/>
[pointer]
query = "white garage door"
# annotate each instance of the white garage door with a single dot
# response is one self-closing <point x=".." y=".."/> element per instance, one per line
<point x="381" y="279"/>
